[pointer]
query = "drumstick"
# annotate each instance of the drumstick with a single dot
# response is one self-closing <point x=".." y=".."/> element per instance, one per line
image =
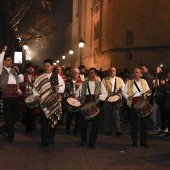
<point x="134" y="93"/>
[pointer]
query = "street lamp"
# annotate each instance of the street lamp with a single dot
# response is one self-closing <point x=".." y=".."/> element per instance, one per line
<point x="71" y="53"/>
<point x="63" y="57"/>
<point x="81" y="45"/>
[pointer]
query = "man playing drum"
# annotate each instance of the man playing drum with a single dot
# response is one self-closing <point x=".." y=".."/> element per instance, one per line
<point x="136" y="90"/>
<point x="28" y="115"/>
<point x="112" y="87"/>
<point x="43" y="87"/>
<point x="73" y="103"/>
<point x="89" y="93"/>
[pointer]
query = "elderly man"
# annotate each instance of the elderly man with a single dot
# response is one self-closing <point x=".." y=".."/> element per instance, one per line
<point x="112" y="86"/>
<point x="136" y="90"/>
<point x="71" y="91"/>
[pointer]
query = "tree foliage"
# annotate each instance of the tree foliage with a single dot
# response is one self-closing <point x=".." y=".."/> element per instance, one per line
<point x="13" y="15"/>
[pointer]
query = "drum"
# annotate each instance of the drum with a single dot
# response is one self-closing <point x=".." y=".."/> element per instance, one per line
<point x="26" y="90"/>
<point x="90" y="110"/>
<point x="51" y="101"/>
<point x="115" y="101"/>
<point x="51" y="106"/>
<point x="143" y="108"/>
<point x="73" y="104"/>
<point x="31" y="102"/>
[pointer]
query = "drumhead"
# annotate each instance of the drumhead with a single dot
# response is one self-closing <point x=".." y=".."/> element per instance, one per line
<point x="114" y="98"/>
<point x="73" y="101"/>
<point x="30" y="98"/>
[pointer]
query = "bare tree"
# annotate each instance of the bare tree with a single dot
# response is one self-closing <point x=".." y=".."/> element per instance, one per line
<point x="11" y="14"/>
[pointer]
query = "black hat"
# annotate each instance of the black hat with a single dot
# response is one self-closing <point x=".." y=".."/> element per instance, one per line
<point x="81" y="66"/>
<point x="29" y="65"/>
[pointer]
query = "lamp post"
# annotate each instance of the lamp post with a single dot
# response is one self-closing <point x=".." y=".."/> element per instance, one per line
<point x="71" y="53"/>
<point x="81" y="45"/>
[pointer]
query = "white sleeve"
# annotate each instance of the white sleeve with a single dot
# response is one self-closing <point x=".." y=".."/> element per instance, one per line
<point x="104" y="93"/>
<point x="124" y="93"/>
<point x="61" y="84"/>
<point x="20" y="78"/>
<point x="1" y="59"/>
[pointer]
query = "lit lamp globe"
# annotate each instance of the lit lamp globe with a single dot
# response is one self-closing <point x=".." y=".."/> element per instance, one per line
<point x="71" y="52"/>
<point x="63" y="57"/>
<point x="25" y="47"/>
<point x="81" y="43"/>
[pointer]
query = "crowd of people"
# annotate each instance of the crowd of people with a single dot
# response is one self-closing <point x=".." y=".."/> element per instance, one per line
<point x="58" y="94"/>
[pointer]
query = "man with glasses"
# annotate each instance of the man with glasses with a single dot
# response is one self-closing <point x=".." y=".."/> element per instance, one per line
<point x="71" y="91"/>
<point x="9" y="84"/>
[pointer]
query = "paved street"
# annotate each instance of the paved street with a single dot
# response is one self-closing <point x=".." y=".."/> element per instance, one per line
<point x="111" y="153"/>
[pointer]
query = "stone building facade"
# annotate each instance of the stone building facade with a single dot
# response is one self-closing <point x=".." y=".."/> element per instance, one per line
<point x="121" y="33"/>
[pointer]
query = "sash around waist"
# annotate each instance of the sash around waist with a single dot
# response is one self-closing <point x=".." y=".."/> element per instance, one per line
<point x="10" y="91"/>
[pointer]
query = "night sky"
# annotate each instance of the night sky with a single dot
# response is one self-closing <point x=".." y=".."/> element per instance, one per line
<point x="62" y="11"/>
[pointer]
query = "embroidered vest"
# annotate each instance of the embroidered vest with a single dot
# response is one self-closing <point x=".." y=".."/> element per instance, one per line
<point x="84" y="88"/>
<point x="108" y="84"/>
<point x="4" y="78"/>
<point x="130" y="92"/>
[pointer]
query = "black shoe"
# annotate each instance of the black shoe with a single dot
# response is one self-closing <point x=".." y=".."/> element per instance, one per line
<point x="118" y="134"/>
<point x="9" y="140"/>
<point x="92" y="146"/>
<point x="108" y="133"/>
<point x="82" y="144"/>
<point x="52" y="141"/>
<point x="45" y="145"/>
<point x="145" y="145"/>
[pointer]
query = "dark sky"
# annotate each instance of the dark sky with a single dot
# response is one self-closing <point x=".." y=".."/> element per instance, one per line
<point x="62" y="11"/>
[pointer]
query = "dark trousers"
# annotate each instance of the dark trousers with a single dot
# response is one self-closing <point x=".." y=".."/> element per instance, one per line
<point x="69" y="119"/>
<point x="93" y="132"/>
<point x="134" y="127"/>
<point x="47" y="132"/>
<point x="165" y="119"/>
<point x="11" y="111"/>
<point x="29" y="120"/>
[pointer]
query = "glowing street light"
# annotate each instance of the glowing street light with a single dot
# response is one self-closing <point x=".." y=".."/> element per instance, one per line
<point x="81" y="45"/>
<point x="57" y="61"/>
<point x="63" y="57"/>
<point x="25" y="47"/>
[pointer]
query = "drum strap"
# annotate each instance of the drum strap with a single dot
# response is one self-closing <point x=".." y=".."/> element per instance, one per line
<point x="88" y="88"/>
<point x="138" y="88"/>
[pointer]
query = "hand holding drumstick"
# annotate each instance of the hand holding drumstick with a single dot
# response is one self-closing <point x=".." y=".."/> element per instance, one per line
<point x="131" y="97"/>
<point x="57" y="87"/>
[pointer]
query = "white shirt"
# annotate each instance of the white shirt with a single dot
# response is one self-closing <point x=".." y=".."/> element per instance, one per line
<point x="12" y="78"/>
<point x="135" y="90"/>
<point x="104" y="92"/>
